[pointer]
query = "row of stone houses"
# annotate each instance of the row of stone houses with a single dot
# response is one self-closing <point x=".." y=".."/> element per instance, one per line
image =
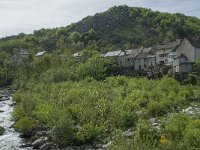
<point x="177" y="57"/>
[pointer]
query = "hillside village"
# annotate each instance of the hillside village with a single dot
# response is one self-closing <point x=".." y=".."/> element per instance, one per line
<point x="176" y="58"/>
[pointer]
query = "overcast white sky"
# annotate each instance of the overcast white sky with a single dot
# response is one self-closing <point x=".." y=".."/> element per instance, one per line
<point x="27" y="15"/>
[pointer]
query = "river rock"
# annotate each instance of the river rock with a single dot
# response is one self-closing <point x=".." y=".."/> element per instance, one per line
<point x="87" y="147"/>
<point x="5" y="98"/>
<point x="45" y="146"/>
<point x="37" y="143"/>
<point x="188" y="111"/>
<point x="107" y="145"/>
<point x="73" y="148"/>
<point x="129" y="133"/>
<point x="2" y="130"/>
<point x="1" y="96"/>
<point x="25" y="145"/>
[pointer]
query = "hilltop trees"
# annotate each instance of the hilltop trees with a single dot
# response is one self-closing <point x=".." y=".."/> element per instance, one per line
<point x="120" y="26"/>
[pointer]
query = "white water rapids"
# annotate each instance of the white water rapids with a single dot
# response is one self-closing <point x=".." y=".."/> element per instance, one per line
<point x="10" y="140"/>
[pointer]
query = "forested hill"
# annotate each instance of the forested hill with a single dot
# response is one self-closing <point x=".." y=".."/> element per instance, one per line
<point x="118" y="27"/>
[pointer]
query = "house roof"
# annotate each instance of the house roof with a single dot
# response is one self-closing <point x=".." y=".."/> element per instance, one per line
<point x="133" y="52"/>
<point x="40" y="53"/>
<point x="180" y="55"/>
<point x="142" y="55"/>
<point x="151" y="56"/>
<point x="129" y="53"/>
<point x="147" y="50"/>
<point x="167" y="46"/>
<point x="195" y="43"/>
<point x="115" y="53"/>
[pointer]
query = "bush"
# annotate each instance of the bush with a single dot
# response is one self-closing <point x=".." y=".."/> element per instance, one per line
<point x="18" y="96"/>
<point x="154" y="109"/>
<point x="176" y="126"/>
<point x="44" y="112"/>
<point x="63" y="132"/>
<point x="25" y="125"/>
<point x="192" y="133"/>
<point x="18" y="112"/>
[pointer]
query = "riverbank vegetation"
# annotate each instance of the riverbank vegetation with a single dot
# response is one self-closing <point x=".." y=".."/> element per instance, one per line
<point x="80" y="104"/>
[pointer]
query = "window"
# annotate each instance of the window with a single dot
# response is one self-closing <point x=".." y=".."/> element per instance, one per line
<point x="140" y="67"/>
<point x="166" y="54"/>
<point x="161" y="55"/>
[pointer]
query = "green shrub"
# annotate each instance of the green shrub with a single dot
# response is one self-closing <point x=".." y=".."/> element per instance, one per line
<point x="154" y="109"/>
<point x="192" y="133"/>
<point x="63" y="132"/>
<point x="18" y="112"/>
<point x="88" y="132"/>
<point x="18" y="96"/>
<point x="25" y="125"/>
<point x="176" y="126"/>
<point x="44" y="112"/>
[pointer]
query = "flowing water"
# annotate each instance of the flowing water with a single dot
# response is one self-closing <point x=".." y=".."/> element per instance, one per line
<point x="10" y="140"/>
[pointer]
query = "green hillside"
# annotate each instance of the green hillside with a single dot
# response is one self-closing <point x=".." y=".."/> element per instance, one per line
<point x="118" y="27"/>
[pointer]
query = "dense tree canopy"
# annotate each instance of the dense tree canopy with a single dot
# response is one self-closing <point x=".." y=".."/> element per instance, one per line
<point x="118" y="27"/>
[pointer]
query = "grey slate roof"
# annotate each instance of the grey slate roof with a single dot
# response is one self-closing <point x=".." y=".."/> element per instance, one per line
<point x="133" y="52"/>
<point x="143" y="55"/>
<point x="147" y="50"/>
<point x="115" y="53"/>
<point x="195" y="43"/>
<point x="167" y="46"/>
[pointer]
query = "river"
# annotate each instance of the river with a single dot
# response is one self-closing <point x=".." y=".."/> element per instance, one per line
<point x="10" y="140"/>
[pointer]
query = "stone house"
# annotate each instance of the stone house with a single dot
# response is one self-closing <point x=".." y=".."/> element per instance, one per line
<point x="177" y="56"/>
<point x="182" y="58"/>
<point x="161" y="51"/>
<point x="189" y="48"/>
<point x="118" y="56"/>
<point x="130" y="57"/>
<point x="181" y="64"/>
<point x="141" y="62"/>
<point x="137" y="59"/>
<point x="16" y="59"/>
